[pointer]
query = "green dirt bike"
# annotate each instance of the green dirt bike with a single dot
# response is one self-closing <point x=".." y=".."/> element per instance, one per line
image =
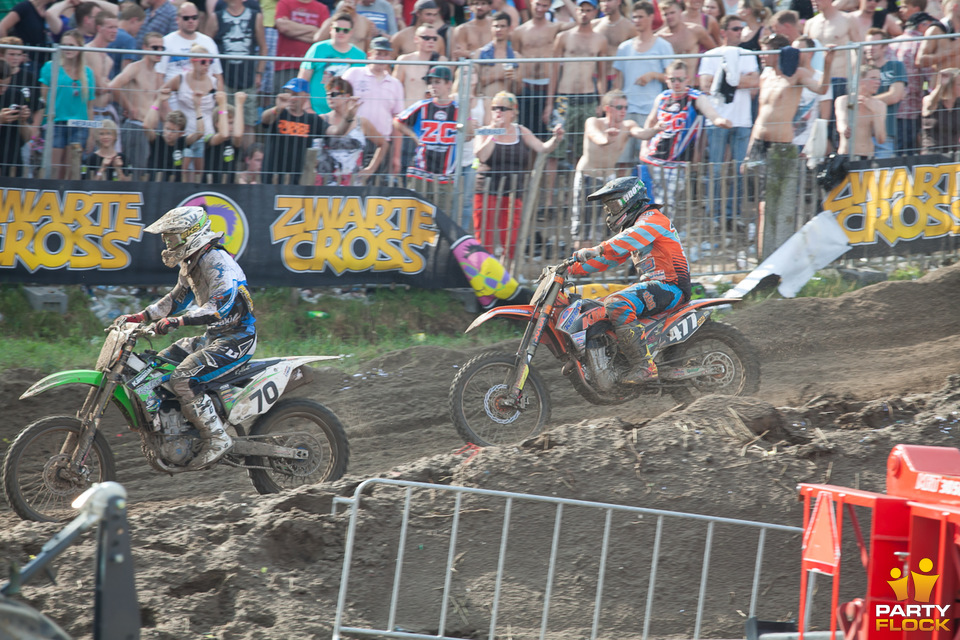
<point x="282" y="442"/>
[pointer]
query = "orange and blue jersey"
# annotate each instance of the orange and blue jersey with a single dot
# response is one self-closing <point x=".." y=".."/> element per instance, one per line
<point x="653" y="244"/>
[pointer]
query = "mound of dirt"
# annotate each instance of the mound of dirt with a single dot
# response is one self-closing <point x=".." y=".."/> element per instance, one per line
<point x="843" y="381"/>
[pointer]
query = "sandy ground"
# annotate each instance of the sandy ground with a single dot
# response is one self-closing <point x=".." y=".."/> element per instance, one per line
<point x="869" y="370"/>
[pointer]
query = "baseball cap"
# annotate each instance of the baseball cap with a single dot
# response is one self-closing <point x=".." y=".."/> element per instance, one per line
<point x="592" y="3"/>
<point x="425" y="4"/>
<point x="297" y="85"/>
<point x="381" y="44"/>
<point x="440" y="73"/>
<point x="919" y="18"/>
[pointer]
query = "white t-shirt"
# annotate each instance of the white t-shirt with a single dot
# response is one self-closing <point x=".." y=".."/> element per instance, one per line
<point x="738" y="111"/>
<point x="172" y="66"/>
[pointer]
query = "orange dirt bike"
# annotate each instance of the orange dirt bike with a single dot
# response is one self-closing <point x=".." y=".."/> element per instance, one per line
<point x="499" y="398"/>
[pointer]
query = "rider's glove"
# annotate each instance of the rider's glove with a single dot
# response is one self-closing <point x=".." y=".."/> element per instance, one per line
<point x="163" y="326"/>
<point x="585" y="255"/>
<point x="133" y="317"/>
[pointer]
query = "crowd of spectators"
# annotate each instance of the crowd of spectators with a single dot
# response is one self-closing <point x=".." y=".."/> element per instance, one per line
<point x="620" y="104"/>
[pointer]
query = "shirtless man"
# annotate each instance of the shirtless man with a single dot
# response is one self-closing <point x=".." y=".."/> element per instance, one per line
<point x="685" y="38"/>
<point x="779" y="99"/>
<point x="412" y="76"/>
<point x="614" y="25"/>
<point x="424" y="12"/>
<point x="501" y="6"/>
<point x="494" y="78"/>
<point x="472" y="35"/>
<point x="102" y="63"/>
<point x="363" y="29"/>
<point x="575" y="85"/>
<point x="604" y="139"/>
<point x="871" y="114"/>
<point x="864" y="16"/>
<point x="136" y="88"/>
<point x="833" y="27"/>
<point x="534" y="39"/>
<point x="943" y="53"/>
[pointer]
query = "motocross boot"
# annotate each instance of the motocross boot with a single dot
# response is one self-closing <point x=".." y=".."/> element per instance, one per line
<point x="204" y="417"/>
<point x="633" y="345"/>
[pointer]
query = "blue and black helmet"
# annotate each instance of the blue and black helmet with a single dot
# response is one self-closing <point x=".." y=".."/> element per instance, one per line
<point x="623" y="201"/>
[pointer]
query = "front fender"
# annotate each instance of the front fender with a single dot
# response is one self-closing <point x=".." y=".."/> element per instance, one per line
<point x="515" y="311"/>
<point x="84" y="377"/>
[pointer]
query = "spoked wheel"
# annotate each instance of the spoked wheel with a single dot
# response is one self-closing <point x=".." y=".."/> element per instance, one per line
<point x="37" y="478"/>
<point x="480" y="407"/>
<point x="720" y="346"/>
<point x="301" y="424"/>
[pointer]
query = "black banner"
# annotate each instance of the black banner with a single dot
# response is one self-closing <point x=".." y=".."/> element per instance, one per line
<point x="81" y="232"/>
<point x="899" y="205"/>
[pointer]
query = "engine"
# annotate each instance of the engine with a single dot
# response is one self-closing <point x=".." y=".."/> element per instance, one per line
<point x="176" y="434"/>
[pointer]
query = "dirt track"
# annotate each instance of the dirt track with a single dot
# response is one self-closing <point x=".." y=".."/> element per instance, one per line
<point x="200" y="551"/>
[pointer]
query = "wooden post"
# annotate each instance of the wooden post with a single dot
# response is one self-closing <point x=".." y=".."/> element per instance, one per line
<point x="74" y="157"/>
<point x="309" y="175"/>
<point x="780" y="197"/>
<point x="530" y="207"/>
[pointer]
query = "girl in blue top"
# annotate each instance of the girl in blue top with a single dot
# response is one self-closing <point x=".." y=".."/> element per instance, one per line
<point x="74" y="100"/>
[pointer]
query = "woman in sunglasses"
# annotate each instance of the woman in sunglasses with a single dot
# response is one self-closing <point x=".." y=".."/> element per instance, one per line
<point x="504" y="161"/>
<point x="341" y="159"/>
<point x="195" y="90"/>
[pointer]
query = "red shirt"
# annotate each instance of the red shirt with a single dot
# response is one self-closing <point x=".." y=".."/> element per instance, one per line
<point x="312" y="13"/>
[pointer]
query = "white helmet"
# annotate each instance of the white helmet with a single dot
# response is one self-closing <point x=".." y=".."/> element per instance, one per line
<point x="185" y="230"/>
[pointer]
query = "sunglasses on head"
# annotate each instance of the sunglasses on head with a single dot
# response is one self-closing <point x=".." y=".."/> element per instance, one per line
<point x="193" y="17"/>
<point x="429" y="38"/>
<point x="342" y="29"/>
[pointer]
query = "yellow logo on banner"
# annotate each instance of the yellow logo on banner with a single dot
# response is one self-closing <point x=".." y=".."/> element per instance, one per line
<point x="75" y="230"/>
<point x="897" y="203"/>
<point x="350" y="233"/>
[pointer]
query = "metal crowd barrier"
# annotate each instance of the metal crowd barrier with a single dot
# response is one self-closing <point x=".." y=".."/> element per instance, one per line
<point x="456" y="549"/>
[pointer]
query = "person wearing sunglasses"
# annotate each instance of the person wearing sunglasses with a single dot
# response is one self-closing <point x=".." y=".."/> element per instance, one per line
<point x="135" y="89"/>
<point x="504" y="159"/>
<point x="338" y="46"/>
<point x="180" y="42"/>
<point x="425" y="12"/>
<point x="341" y="157"/>
<point x="677" y="114"/>
<point x="728" y="74"/>
<point x="604" y="140"/>
<point x="195" y="98"/>
<point x="361" y="32"/>
<point x="414" y="76"/>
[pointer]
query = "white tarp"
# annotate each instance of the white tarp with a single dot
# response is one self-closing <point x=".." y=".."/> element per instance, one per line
<point x="820" y="242"/>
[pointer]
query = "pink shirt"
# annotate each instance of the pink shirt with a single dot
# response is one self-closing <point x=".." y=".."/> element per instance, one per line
<point x="380" y="99"/>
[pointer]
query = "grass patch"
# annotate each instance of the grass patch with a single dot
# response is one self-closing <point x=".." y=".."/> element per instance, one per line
<point x="363" y="325"/>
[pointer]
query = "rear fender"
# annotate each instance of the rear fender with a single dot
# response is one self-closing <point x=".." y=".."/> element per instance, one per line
<point x="121" y="398"/>
<point x="269" y="385"/>
<point x="683" y="323"/>
<point x="513" y="311"/>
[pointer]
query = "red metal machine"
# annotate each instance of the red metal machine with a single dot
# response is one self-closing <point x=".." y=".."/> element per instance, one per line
<point x="912" y="561"/>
